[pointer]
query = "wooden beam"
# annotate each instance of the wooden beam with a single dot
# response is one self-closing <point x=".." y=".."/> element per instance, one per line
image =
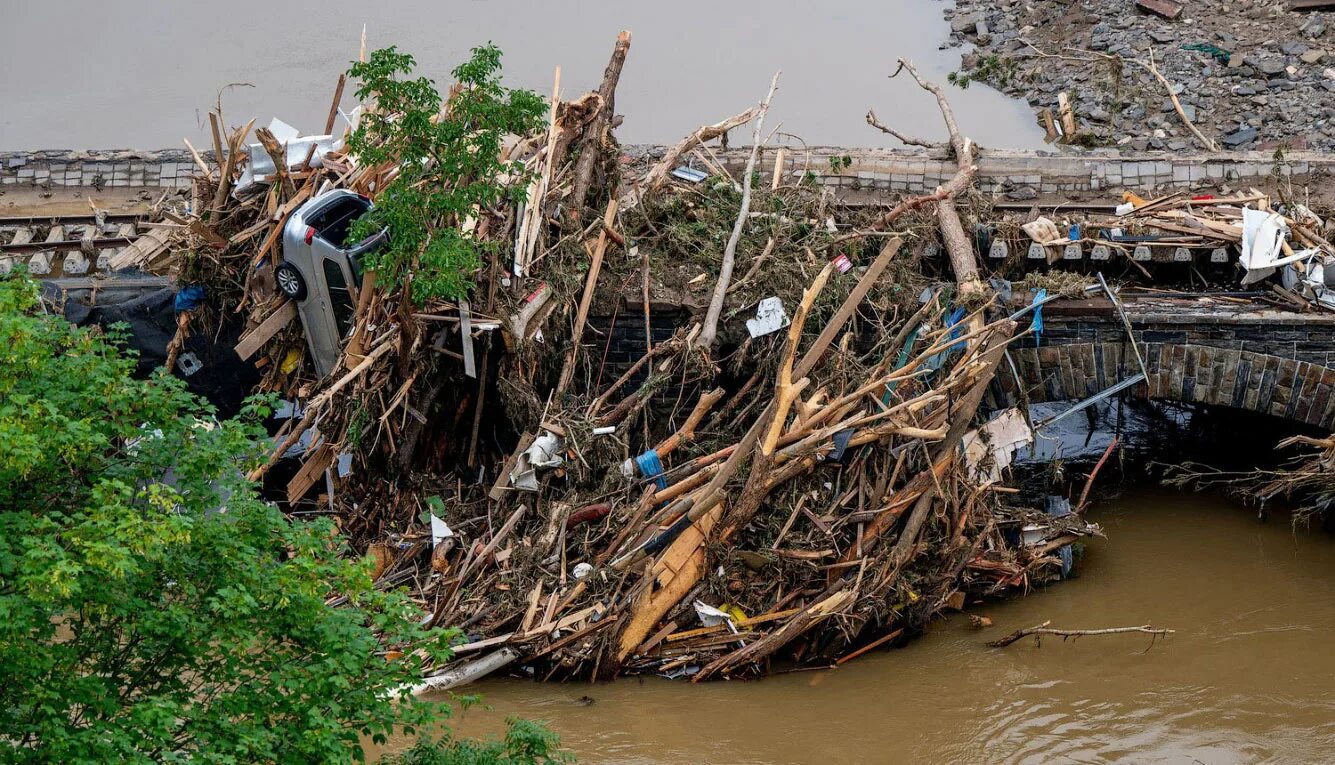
<point x="310" y="470"/>
<point x="253" y="340"/>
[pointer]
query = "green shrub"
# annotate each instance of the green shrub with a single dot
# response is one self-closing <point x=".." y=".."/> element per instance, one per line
<point x="152" y="607"/>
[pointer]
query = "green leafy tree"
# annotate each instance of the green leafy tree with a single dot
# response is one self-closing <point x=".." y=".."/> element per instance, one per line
<point x="449" y="166"/>
<point x="525" y="743"/>
<point x="152" y="607"/>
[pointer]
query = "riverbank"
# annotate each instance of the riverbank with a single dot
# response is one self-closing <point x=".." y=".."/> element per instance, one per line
<point x="1250" y="75"/>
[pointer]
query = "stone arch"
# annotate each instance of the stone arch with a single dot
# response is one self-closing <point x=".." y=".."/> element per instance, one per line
<point x="1290" y="388"/>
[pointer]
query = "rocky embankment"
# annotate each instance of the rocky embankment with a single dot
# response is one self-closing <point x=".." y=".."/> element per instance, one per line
<point x="1251" y="74"/>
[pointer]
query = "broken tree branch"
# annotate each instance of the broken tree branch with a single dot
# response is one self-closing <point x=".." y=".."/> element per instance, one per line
<point x="905" y="139"/>
<point x="706" y="338"/>
<point x="1043" y="629"/>
<point x="958" y="246"/>
<point x="658" y="175"/>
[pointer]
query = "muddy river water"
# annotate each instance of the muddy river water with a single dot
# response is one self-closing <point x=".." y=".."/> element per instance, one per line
<point x="142" y="73"/>
<point x="1248" y="677"/>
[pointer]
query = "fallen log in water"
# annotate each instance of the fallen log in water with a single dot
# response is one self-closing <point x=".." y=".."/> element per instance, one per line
<point x="1043" y="629"/>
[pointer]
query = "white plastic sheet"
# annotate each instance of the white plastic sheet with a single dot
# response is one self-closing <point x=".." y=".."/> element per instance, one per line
<point x="1263" y="235"/>
<point x="297" y="146"/>
<point x="545" y="452"/>
<point x="770" y="317"/>
<point x="999" y="438"/>
<point x="440" y="531"/>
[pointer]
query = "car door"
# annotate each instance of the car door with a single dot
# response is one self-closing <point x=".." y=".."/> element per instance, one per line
<point x="325" y="303"/>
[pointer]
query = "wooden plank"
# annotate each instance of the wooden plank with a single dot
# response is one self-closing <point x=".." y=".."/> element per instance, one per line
<point x="272" y="325"/>
<point x="466" y="334"/>
<point x="846" y="310"/>
<point x="1066" y="115"/>
<point x="590" y="285"/>
<point x="142" y="250"/>
<point x="676" y="573"/>
<point x="1165" y="8"/>
<point x="110" y="283"/>
<point x="747" y="622"/>
<point x="1312" y="5"/>
<point x="312" y="469"/>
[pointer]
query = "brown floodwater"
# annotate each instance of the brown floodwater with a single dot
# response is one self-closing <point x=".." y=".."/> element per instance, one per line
<point x="1248" y="677"/>
<point x="143" y="73"/>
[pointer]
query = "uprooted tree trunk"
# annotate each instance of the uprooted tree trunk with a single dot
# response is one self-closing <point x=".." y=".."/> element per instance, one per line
<point x="596" y="134"/>
<point x="958" y="247"/>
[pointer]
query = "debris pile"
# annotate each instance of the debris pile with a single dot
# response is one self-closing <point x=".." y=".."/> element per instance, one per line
<point x="789" y="465"/>
<point x="1226" y="239"/>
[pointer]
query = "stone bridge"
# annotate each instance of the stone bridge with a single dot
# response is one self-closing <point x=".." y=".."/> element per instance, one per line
<point x="1196" y="350"/>
<point x="1206" y="350"/>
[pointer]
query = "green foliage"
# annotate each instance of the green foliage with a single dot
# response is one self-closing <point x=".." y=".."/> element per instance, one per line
<point x="840" y="163"/>
<point x="993" y="69"/>
<point x="152" y="607"/>
<point x="449" y="166"/>
<point x="525" y="743"/>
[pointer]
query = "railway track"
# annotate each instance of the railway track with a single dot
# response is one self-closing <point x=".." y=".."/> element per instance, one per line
<point x="66" y="245"/>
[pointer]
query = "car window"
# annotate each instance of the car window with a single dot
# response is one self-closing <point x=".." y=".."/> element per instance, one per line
<point x="333" y="219"/>
<point x="340" y="298"/>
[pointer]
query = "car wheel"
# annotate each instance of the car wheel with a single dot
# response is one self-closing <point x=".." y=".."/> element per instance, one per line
<point x="290" y="282"/>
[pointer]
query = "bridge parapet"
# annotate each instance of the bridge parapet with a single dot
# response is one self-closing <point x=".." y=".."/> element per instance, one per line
<point x="840" y="168"/>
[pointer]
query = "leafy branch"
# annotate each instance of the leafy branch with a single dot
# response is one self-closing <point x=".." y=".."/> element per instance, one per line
<point x="449" y="163"/>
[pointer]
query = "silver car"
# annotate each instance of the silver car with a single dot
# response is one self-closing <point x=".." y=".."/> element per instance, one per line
<point x="318" y="268"/>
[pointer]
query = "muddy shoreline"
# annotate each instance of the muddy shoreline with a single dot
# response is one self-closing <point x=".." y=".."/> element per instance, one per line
<point x="1249" y="75"/>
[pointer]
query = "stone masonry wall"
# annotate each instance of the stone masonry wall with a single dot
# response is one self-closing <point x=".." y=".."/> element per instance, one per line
<point x="1014" y="173"/>
<point x="167" y="169"/>
<point x="1281" y="368"/>
<point x="1024" y="175"/>
<point x="1288" y="388"/>
<point x="1302" y="337"/>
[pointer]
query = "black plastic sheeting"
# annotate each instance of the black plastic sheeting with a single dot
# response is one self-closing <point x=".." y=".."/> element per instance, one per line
<point x="145" y="306"/>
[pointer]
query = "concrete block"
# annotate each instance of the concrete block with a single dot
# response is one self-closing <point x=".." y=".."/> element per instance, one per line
<point x="75" y="263"/>
<point x="40" y="264"/>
